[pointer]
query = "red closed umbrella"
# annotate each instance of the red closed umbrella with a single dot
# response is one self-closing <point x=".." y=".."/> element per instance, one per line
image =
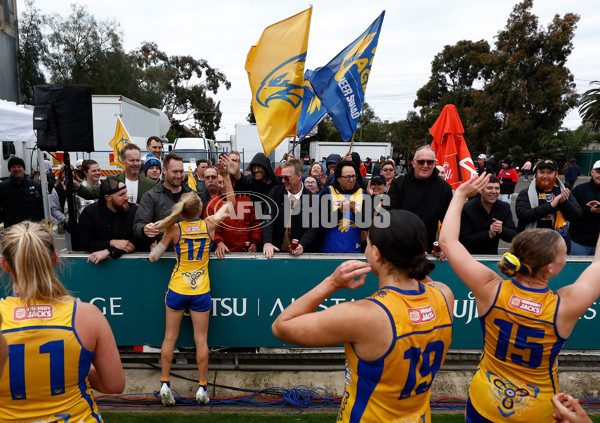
<point x="450" y="147"/>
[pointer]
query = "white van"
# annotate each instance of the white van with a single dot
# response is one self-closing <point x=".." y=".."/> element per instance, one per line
<point x="193" y="149"/>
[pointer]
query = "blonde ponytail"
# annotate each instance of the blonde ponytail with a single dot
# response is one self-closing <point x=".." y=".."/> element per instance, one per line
<point x="187" y="207"/>
<point x="28" y="248"/>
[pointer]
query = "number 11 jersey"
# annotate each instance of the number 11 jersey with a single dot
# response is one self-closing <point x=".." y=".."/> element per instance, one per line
<point x="46" y="375"/>
<point x="396" y="386"/>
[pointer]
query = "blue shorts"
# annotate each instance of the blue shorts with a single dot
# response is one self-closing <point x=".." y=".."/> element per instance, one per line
<point x="198" y="303"/>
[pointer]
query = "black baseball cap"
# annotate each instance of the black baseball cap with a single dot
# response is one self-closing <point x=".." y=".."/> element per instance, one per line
<point x="551" y="164"/>
<point x="378" y="178"/>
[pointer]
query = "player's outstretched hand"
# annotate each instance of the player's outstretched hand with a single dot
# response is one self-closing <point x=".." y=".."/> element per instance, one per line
<point x="568" y="410"/>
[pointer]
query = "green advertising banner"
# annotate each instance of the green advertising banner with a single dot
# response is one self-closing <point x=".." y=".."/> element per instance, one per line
<point x="248" y="293"/>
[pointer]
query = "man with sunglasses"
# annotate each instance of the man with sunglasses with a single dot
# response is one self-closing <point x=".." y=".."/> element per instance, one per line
<point x="344" y="200"/>
<point x="422" y="192"/>
<point x="287" y="222"/>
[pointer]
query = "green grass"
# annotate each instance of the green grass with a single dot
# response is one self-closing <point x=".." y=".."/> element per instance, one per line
<point x="251" y="418"/>
<point x="241" y="418"/>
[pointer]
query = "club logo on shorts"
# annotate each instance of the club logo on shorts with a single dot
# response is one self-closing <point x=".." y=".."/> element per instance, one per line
<point x="525" y="305"/>
<point x="421" y="314"/>
<point x="40" y="311"/>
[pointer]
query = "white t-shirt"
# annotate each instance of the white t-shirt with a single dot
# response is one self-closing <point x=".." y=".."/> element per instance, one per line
<point x="132" y="190"/>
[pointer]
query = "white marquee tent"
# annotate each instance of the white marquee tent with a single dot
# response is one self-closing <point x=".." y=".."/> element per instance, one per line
<point x="16" y="123"/>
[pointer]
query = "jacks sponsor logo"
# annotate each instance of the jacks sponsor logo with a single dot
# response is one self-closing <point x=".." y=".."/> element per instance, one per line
<point x="421" y="315"/>
<point x="525" y="305"/>
<point x="39" y="311"/>
<point x="195" y="228"/>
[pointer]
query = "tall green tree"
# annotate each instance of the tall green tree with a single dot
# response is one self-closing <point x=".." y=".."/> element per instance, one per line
<point x="589" y="106"/>
<point x="182" y="85"/>
<point x="31" y="51"/>
<point x="79" y="46"/>
<point x="513" y="95"/>
<point x="530" y="88"/>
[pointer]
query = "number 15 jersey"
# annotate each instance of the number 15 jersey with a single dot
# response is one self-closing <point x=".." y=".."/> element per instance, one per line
<point x="517" y="374"/>
<point x="46" y="375"/>
<point x="395" y="387"/>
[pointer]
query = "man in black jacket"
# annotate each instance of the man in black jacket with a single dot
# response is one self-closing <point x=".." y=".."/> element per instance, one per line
<point x="584" y="232"/>
<point x="106" y="227"/>
<point x="20" y="197"/>
<point x="422" y="192"/>
<point x="485" y="221"/>
<point x="288" y="203"/>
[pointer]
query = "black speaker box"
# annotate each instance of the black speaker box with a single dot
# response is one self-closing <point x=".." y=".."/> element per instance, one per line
<point x="63" y="117"/>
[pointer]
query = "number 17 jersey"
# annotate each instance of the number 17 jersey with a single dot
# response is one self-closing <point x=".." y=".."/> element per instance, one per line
<point x="395" y="387"/>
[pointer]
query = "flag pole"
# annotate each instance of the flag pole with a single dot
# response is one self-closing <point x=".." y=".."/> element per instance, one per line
<point x="351" y="142"/>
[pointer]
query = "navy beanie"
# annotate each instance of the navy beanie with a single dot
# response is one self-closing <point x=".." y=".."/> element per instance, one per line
<point x="14" y="160"/>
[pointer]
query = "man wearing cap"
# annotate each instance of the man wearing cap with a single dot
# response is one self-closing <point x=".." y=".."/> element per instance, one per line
<point x="20" y="197"/>
<point x="572" y="173"/>
<point x="481" y="165"/>
<point x="485" y="221"/>
<point x="547" y="203"/>
<point x="584" y="232"/>
<point x="137" y="184"/>
<point x="106" y="227"/>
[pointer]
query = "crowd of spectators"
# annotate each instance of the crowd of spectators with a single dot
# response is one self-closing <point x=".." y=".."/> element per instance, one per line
<point x="311" y="205"/>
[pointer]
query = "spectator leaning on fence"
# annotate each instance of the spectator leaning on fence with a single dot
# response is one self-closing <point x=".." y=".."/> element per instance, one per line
<point x="106" y="227"/>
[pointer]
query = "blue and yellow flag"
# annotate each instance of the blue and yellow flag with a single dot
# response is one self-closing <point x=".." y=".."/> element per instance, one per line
<point x="312" y="109"/>
<point x="342" y="83"/>
<point x="275" y="67"/>
<point x="120" y="140"/>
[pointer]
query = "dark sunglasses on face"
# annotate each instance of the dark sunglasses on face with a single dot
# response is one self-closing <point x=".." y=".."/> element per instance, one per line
<point x="349" y="177"/>
<point x="422" y="162"/>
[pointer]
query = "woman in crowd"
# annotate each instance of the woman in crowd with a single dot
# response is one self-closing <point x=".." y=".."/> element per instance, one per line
<point x="59" y="348"/>
<point x="189" y="287"/>
<point x="396" y="340"/>
<point x="312" y="184"/>
<point x="58" y="202"/>
<point x="91" y="170"/>
<point x="524" y="323"/>
<point x="316" y="170"/>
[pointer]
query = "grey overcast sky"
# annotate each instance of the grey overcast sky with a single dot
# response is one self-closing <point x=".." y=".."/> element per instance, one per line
<point x="413" y="32"/>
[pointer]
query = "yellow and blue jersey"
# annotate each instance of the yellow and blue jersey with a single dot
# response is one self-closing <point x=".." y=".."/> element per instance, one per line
<point x="345" y="236"/>
<point x="46" y="375"/>
<point x="190" y="274"/>
<point x="517" y="374"/>
<point x="395" y="387"/>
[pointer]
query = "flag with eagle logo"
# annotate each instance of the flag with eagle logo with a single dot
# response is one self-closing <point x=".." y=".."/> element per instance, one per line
<point x="341" y="84"/>
<point x="275" y="67"/>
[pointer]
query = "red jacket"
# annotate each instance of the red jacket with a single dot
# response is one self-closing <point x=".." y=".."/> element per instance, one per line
<point x="234" y="231"/>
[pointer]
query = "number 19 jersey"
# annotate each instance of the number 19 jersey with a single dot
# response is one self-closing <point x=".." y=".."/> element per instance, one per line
<point x="517" y="374"/>
<point x="190" y="274"/>
<point x="395" y="387"/>
<point x="46" y="375"/>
